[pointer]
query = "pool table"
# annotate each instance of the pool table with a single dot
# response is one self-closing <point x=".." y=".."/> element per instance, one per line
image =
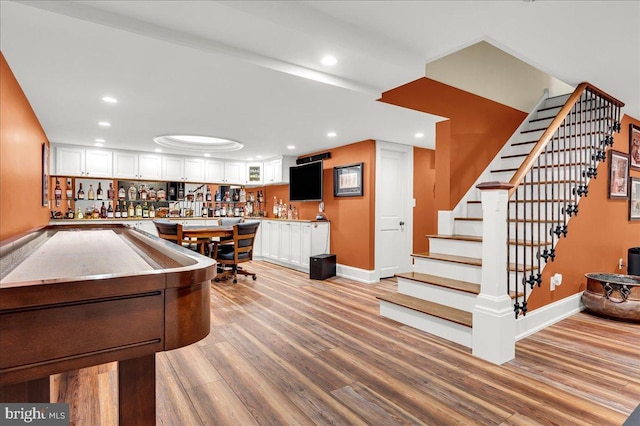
<point x="77" y="296"/>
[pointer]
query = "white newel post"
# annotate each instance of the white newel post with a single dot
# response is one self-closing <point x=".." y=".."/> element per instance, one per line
<point x="494" y="325"/>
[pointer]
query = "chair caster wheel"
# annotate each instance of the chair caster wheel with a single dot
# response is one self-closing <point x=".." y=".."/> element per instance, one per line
<point x="255" y="278"/>
<point x="235" y="281"/>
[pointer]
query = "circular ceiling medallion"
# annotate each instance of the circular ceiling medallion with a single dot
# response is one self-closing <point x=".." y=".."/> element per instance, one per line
<point x="198" y="143"/>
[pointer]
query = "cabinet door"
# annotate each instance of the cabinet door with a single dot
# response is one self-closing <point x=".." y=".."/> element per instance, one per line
<point x="125" y="165"/>
<point x="274" y="243"/>
<point x="305" y="245"/>
<point x="234" y="172"/>
<point x="257" y="243"/>
<point x="269" y="172"/>
<point x="284" y="246"/>
<point x="69" y="161"/>
<point x="149" y="166"/>
<point x="295" y="244"/>
<point x="214" y="171"/>
<point x="265" y="235"/>
<point x="98" y="163"/>
<point x="194" y="169"/>
<point x="254" y="174"/>
<point x="172" y="168"/>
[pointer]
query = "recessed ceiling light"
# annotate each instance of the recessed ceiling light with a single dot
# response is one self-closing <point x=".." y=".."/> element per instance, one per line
<point x="419" y="135"/>
<point x="99" y="144"/>
<point x="198" y="143"/>
<point x="99" y="140"/>
<point x="332" y="134"/>
<point x="104" y="123"/>
<point x="291" y="147"/>
<point x="329" y="60"/>
<point x="258" y="156"/>
<point x="206" y="154"/>
<point x="250" y="159"/>
<point x="157" y="150"/>
<point x="110" y="100"/>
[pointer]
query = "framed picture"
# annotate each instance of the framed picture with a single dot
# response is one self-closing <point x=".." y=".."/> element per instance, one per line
<point x="45" y="175"/>
<point x="347" y="180"/>
<point x="618" y="174"/>
<point x="634" y="198"/>
<point x="634" y="146"/>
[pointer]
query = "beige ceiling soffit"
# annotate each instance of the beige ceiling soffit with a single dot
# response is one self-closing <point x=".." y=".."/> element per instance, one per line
<point x="182" y="38"/>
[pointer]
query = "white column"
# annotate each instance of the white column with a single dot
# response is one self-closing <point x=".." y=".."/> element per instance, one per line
<point x="494" y="325"/>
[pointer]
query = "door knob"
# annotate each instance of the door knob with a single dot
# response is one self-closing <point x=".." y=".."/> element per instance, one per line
<point x="401" y="223"/>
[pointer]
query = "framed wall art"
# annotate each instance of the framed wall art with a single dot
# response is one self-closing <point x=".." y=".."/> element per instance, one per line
<point x="634" y="146"/>
<point x="618" y="174"/>
<point x="347" y="180"/>
<point x="634" y="198"/>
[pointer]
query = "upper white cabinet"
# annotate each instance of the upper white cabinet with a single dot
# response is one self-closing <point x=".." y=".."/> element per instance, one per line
<point x="71" y="161"/>
<point x="183" y="169"/>
<point x="276" y="170"/>
<point x="214" y="171"/>
<point x="131" y="165"/>
<point x="234" y="172"/>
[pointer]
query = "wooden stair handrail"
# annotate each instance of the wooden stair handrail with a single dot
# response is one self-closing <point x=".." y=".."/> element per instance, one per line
<point x="537" y="150"/>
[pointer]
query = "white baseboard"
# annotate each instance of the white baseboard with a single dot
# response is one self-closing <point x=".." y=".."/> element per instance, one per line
<point x="356" y="274"/>
<point x="548" y="315"/>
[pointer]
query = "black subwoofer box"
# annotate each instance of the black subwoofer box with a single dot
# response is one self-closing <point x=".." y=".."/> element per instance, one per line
<point x="322" y="266"/>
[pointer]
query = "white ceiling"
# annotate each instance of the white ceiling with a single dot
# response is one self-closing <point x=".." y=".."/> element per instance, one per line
<point x="250" y="70"/>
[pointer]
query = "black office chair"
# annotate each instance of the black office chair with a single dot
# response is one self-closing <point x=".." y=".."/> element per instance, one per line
<point x="230" y="256"/>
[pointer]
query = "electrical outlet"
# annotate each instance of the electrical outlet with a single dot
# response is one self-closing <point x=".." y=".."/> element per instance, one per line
<point x="556" y="280"/>
<point x="620" y="263"/>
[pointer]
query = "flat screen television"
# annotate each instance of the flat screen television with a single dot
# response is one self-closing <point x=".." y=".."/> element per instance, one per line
<point x="305" y="182"/>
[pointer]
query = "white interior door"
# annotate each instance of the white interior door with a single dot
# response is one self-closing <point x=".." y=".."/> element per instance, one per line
<point x="394" y="208"/>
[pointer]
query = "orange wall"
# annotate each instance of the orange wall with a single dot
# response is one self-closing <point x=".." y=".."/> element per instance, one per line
<point x="352" y="218"/>
<point x="478" y="129"/>
<point x="424" y="191"/>
<point x="598" y="236"/>
<point x="21" y="138"/>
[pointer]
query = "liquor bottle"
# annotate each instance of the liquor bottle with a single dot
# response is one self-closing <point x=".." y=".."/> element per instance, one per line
<point x="122" y="194"/>
<point x="80" y="192"/>
<point x="205" y="211"/>
<point x="210" y="211"/>
<point x="91" y="195"/>
<point x="216" y="211"/>
<point x="99" y="192"/>
<point x="133" y="192"/>
<point x="110" y="212"/>
<point x="124" y="212"/>
<point x="117" y="214"/>
<point x="69" y="190"/>
<point x="161" y="194"/>
<point x="143" y="192"/>
<point x="96" y="212"/>
<point x="79" y="214"/>
<point x="152" y="211"/>
<point x="145" y="210"/>
<point x="236" y="196"/>
<point x="57" y="192"/>
<point x="153" y="194"/>
<point x="132" y="210"/>
<point x="208" y="196"/>
<point x="138" y="210"/>
<point x="243" y="195"/>
<point x="103" y="211"/>
<point x="218" y="196"/>
<point x="110" y="191"/>
<point x="223" y="210"/>
<point x="70" y="213"/>
<point x="180" y="192"/>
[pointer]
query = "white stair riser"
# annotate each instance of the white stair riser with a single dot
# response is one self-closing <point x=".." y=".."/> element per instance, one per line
<point x="544" y="174"/>
<point x="533" y="210"/>
<point x="433" y="293"/>
<point x="445" y="269"/>
<point x="551" y="158"/>
<point x="437" y="326"/>
<point x="455" y="247"/>
<point x="556" y="101"/>
<point x="474" y="228"/>
<point x="541" y="122"/>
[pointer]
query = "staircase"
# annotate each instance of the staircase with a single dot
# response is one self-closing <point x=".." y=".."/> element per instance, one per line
<point x="548" y="163"/>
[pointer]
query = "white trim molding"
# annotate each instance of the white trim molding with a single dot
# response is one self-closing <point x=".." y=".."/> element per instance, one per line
<point x="548" y="315"/>
<point x="357" y="274"/>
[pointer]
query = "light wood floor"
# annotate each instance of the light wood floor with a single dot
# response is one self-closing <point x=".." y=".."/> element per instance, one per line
<point x="286" y="350"/>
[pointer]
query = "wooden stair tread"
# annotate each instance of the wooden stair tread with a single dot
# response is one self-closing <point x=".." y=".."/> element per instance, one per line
<point x="549" y="166"/>
<point x="451" y="258"/>
<point x="434" y="309"/>
<point x="459" y="285"/>
<point x="473" y="261"/>
<point x="557" y="200"/>
<point x="479" y="219"/>
<point x="476" y="239"/>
